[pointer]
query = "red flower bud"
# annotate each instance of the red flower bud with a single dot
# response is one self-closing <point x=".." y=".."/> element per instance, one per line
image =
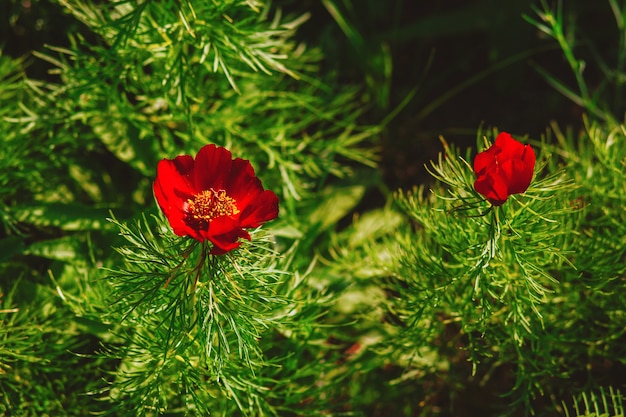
<point x="505" y="168"/>
<point x="213" y="197"/>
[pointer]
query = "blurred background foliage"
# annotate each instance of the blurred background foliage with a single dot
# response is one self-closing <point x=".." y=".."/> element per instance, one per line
<point x="337" y="103"/>
<point x="443" y="56"/>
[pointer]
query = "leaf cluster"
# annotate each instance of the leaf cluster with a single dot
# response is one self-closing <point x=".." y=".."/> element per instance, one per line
<point x="210" y="333"/>
<point x="139" y="81"/>
<point x="335" y="308"/>
<point x="474" y="291"/>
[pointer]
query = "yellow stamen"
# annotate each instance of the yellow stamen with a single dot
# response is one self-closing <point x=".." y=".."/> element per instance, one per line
<point x="210" y="204"/>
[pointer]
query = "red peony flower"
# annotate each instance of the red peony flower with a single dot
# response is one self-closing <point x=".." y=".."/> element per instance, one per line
<point x="505" y="168"/>
<point x="213" y="197"/>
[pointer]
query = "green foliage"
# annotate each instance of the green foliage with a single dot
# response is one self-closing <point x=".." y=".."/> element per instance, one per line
<point x="141" y="81"/>
<point x="356" y="300"/>
<point x="602" y="405"/>
<point x="605" y="100"/>
<point x="191" y="323"/>
<point x="495" y="256"/>
<point x="41" y="339"/>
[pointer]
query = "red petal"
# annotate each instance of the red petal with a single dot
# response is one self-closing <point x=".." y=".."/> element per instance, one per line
<point x="263" y="209"/>
<point x="505" y="168"/>
<point x="184" y="165"/>
<point x="212" y="167"/>
<point x="242" y="184"/>
<point x="510" y="148"/>
<point x="485" y="160"/>
<point x="224" y="232"/>
<point x="176" y="175"/>
<point x="518" y="175"/>
<point x="223" y="244"/>
<point x="172" y="187"/>
<point x="493" y="187"/>
<point x="172" y="210"/>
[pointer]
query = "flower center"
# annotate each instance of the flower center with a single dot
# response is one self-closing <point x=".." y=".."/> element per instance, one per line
<point x="209" y="204"/>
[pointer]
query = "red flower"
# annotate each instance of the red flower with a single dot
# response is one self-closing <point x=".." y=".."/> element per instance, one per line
<point x="505" y="168"/>
<point x="213" y="197"/>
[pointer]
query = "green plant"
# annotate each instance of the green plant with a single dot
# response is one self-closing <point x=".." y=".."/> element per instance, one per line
<point x="593" y="405"/>
<point x="356" y="300"/>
